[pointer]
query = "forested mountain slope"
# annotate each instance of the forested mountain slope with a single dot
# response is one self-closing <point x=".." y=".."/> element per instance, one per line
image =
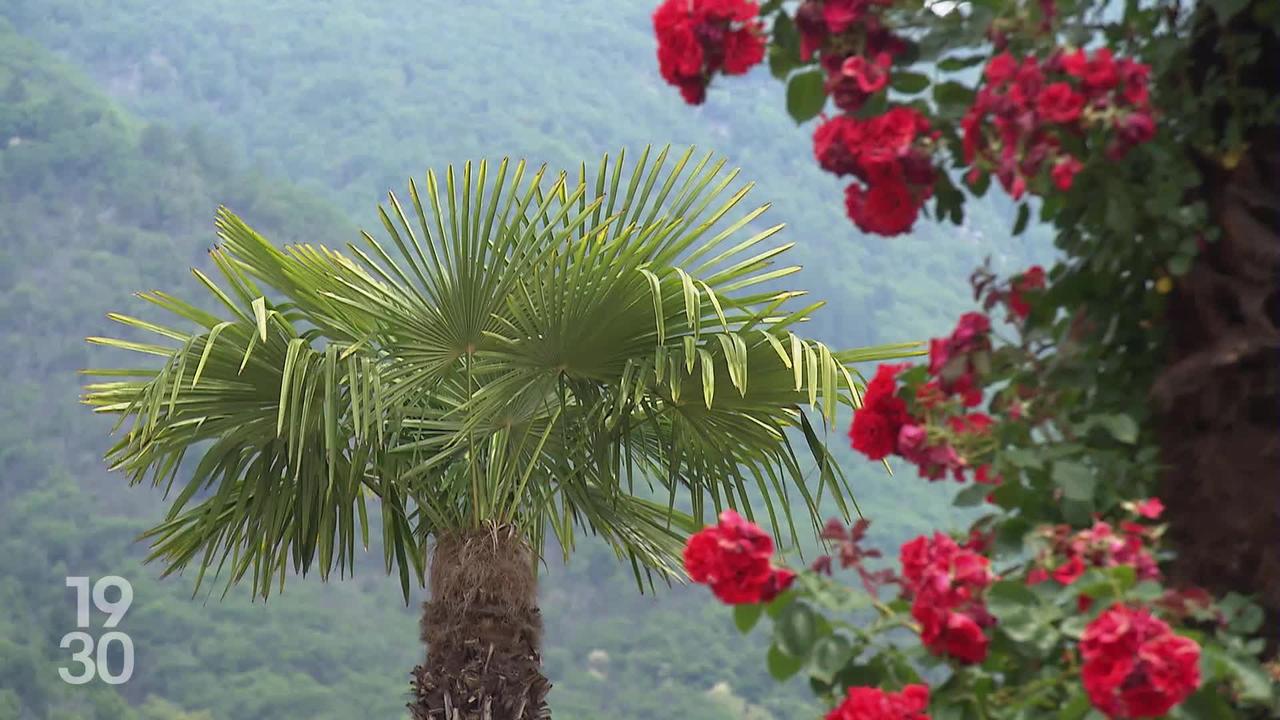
<point x="97" y="201"/>
<point x="351" y="98"/>
<point x="95" y="204"/>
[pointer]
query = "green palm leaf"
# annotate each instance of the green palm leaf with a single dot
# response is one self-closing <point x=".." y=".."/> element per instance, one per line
<point x="594" y="355"/>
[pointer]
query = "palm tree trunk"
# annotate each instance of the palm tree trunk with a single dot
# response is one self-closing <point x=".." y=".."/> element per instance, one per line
<point x="1219" y="394"/>
<point x="483" y="631"/>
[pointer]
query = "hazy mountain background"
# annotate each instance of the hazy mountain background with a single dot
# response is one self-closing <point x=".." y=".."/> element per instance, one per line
<point x="124" y="123"/>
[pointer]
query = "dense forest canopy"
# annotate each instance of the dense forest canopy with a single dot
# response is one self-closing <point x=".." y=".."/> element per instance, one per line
<point x="121" y="131"/>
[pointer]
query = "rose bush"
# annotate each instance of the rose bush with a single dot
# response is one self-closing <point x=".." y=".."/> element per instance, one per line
<point x="1120" y="125"/>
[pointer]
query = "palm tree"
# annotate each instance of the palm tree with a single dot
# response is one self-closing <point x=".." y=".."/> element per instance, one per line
<point x="520" y="356"/>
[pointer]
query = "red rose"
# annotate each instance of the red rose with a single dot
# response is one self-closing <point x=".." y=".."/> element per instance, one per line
<point x="1134" y="77"/>
<point x="693" y="91"/>
<point x="1137" y="128"/>
<point x="679" y="52"/>
<point x="1135" y="666"/>
<point x="971" y="329"/>
<point x="870" y="703"/>
<point x="733" y="557"/>
<point x="1151" y="508"/>
<point x="873" y="434"/>
<point x="1097" y="74"/>
<point x="1000" y="68"/>
<point x="951" y="633"/>
<point x="971" y="423"/>
<point x="871" y="76"/>
<point x="743" y="49"/>
<point x="777" y="583"/>
<point x="985" y="476"/>
<point x="832" y="143"/>
<point x="1070" y="571"/>
<point x="1064" y="172"/>
<point x="840" y="14"/>
<point x="812" y="26"/>
<point x="1059" y="103"/>
<point x="1032" y="279"/>
<point x="886" y="208"/>
<point x="726" y="10"/>
<point x="1101" y="73"/>
<point x="899" y="127"/>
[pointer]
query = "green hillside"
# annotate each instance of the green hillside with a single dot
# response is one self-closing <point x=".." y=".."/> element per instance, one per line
<point x="352" y="99"/>
<point x="119" y="141"/>
<point x="95" y="202"/>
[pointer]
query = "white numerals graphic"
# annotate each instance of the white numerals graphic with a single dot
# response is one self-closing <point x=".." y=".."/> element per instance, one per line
<point x="94" y="658"/>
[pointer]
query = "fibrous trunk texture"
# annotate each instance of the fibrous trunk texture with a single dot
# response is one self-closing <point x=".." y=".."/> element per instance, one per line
<point x="483" y="632"/>
<point x="1219" y="395"/>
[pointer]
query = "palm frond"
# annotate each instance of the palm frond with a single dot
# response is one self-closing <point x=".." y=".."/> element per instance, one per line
<point x="611" y="355"/>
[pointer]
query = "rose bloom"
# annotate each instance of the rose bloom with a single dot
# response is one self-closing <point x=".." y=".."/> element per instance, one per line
<point x="950" y="633"/>
<point x="1058" y="103"/>
<point x="733" y="557"/>
<point x="1064" y="172"/>
<point x="833" y="145"/>
<point x="743" y="49"/>
<point x="871" y="703"/>
<point x="1135" y="666"/>
<point x="871" y="75"/>
<point x="886" y="208"/>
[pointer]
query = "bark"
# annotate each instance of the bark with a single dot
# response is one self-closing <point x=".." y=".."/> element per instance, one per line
<point x="1219" y="395"/>
<point x="483" y="632"/>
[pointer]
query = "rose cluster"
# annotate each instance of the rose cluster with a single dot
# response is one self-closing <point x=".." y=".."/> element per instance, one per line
<point x="1029" y="111"/>
<point x="869" y="703"/>
<point x="1135" y="666"/>
<point x="734" y="557"/>
<point x="1014" y="295"/>
<point x="945" y="583"/>
<point x="938" y="432"/>
<point x="852" y="44"/>
<point x="1068" y="553"/>
<point x="890" y="155"/>
<point x="699" y="38"/>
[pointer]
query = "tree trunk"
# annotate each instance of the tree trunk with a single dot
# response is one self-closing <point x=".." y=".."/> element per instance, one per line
<point x="483" y="632"/>
<point x="1219" y="395"/>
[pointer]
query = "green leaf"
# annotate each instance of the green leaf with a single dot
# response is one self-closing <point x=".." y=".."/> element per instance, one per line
<point x="953" y="64"/>
<point x="953" y="98"/>
<point x="1027" y="458"/>
<point x="781" y="665"/>
<point x="745" y="617"/>
<point x="1254" y="684"/>
<point x="775" y="606"/>
<point x="1076" y="480"/>
<point x="1024" y="215"/>
<point x="1007" y="596"/>
<point x="830" y="656"/>
<point x="1103" y="583"/>
<point x="909" y="83"/>
<point x="796" y="631"/>
<point x="1074" y="626"/>
<point x="1207" y="704"/>
<point x="873" y="673"/>
<point x="806" y="95"/>
<point x="1075" y="708"/>
<point x="1247" y="621"/>
<point x="784" y="50"/>
<point x="1179" y="264"/>
<point x="971" y="496"/>
<point x="1121" y="427"/>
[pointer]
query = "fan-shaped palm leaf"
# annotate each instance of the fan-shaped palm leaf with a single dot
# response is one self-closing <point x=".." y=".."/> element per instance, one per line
<point x="545" y="352"/>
